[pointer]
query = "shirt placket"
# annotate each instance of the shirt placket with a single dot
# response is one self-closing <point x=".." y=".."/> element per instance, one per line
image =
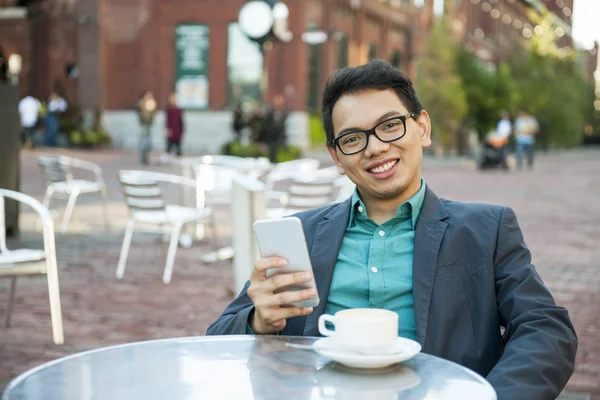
<point x="375" y="267"/>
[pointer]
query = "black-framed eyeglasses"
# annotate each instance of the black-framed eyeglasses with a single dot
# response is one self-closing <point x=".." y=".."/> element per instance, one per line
<point x="386" y="131"/>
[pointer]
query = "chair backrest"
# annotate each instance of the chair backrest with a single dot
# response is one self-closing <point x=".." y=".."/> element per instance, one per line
<point x="52" y="170"/>
<point x="290" y="170"/>
<point x="141" y="194"/>
<point x="304" y="194"/>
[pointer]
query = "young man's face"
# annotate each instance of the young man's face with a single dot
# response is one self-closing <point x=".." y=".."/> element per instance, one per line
<point x="382" y="171"/>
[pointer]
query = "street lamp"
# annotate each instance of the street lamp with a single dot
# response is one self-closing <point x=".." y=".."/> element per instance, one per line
<point x="15" y="64"/>
<point x="264" y="22"/>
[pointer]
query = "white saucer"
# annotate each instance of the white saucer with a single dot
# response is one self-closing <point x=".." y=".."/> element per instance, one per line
<point x="404" y="349"/>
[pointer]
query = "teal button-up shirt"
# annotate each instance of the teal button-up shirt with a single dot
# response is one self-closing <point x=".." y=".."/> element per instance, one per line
<point x="374" y="268"/>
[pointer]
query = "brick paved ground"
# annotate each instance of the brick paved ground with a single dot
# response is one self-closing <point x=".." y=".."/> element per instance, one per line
<point x="557" y="205"/>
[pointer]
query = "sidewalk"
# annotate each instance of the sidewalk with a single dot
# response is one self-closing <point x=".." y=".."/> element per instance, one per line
<point x="557" y="207"/>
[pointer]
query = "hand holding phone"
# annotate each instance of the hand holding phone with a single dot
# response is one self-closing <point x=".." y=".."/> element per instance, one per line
<point x="282" y="284"/>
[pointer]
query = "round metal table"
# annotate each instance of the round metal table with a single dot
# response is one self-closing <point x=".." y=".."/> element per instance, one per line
<point x="238" y="367"/>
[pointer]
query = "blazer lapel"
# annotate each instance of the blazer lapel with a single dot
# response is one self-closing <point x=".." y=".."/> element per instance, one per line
<point x="429" y="232"/>
<point x="323" y="255"/>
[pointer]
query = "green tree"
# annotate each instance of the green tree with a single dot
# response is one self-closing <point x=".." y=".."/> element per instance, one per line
<point x="551" y="85"/>
<point x="489" y="90"/>
<point x="440" y="87"/>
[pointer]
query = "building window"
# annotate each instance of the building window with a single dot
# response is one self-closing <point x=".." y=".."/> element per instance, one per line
<point x="372" y="51"/>
<point x="244" y="67"/>
<point x="438" y="7"/>
<point x="343" y="51"/>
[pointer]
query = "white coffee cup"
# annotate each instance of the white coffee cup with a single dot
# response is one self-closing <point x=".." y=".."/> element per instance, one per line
<point x="366" y="330"/>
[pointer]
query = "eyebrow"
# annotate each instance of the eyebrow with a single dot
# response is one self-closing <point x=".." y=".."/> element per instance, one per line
<point x="382" y="118"/>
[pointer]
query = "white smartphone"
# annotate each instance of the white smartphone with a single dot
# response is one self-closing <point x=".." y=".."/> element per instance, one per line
<point x="285" y="238"/>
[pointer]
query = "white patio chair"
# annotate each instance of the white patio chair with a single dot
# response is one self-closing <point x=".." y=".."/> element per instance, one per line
<point x="14" y="263"/>
<point x="147" y="208"/>
<point x="286" y="171"/>
<point x="58" y="174"/>
<point x="304" y="193"/>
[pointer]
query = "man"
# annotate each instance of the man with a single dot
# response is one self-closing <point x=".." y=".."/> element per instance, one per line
<point x="503" y="131"/>
<point x="29" y="111"/>
<point x="455" y="273"/>
<point x="56" y="106"/>
<point x="526" y="127"/>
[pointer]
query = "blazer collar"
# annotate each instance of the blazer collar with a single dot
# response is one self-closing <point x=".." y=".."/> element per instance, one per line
<point x="429" y="233"/>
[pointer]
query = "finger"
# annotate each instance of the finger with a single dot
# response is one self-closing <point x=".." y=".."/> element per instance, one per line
<point x="275" y="316"/>
<point x="289" y="297"/>
<point x="263" y="264"/>
<point x="282" y="280"/>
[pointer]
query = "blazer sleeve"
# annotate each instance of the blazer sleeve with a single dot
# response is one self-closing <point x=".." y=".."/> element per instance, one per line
<point x="234" y="319"/>
<point x="540" y="341"/>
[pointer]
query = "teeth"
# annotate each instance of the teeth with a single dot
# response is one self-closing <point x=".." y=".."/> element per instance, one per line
<point x="384" y="167"/>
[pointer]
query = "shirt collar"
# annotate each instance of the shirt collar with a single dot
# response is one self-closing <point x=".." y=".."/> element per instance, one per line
<point x="415" y="203"/>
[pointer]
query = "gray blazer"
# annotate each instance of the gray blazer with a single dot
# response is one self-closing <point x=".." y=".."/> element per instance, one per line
<point x="472" y="275"/>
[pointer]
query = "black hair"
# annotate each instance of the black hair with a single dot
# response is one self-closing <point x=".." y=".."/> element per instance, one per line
<point x="376" y="74"/>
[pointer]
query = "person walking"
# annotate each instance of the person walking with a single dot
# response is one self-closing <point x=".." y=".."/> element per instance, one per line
<point x="146" y="109"/>
<point x="174" y="125"/>
<point x="503" y="131"/>
<point x="56" y="106"/>
<point x="526" y="127"/>
<point x="29" y="111"/>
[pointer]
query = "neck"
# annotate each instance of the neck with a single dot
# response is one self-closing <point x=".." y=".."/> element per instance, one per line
<point x="382" y="210"/>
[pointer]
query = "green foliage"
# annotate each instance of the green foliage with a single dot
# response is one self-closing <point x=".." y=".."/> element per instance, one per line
<point x="81" y="136"/>
<point x="441" y="87"/>
<point x="318" y="138"/>
<point x="234" y="148"/>
<point x="289" y="153"/>
<point x="543" y="78"/>
<point x="554" y="90"/>
<point x="488" y="90"/>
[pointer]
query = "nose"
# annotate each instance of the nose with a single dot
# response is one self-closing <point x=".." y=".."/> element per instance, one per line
<point x="375" y="147"/>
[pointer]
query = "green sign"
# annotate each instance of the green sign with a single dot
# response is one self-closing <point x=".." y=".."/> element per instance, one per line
<point x="191" y="69"/>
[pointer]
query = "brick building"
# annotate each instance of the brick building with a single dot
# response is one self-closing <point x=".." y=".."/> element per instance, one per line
<point x="492" y="28"/>
<point x="102" y="54"/>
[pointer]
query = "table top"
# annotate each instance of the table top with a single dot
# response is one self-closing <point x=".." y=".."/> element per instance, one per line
<point x="238" y="367"/>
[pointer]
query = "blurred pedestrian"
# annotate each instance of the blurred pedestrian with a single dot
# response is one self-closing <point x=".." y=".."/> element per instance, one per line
<point x="526" y="127"/>
<point x="146" y="108"/>
<point x="238" y="122"/>
<point x="174" y="124"/>
<point x="503" y="131"/>
<point x="29" y="111"/>
<point x="56" y="106"/>
<point x="275" y="121"/>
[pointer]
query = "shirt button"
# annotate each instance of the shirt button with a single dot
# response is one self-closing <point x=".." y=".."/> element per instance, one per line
<point x="360" y="209"/>
<point x="374" y="269"/>
<point x="381" y="233"/>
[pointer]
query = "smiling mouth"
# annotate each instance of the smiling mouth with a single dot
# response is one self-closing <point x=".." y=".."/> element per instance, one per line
<point x="383" y="168"/>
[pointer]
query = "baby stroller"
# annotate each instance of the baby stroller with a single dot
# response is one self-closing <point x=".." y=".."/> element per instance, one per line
<point x="491" y="155"/>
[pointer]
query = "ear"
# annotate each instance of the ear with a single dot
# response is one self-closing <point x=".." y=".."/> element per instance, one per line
<point x="335" y="158"/>
<point x="424" y="124"/>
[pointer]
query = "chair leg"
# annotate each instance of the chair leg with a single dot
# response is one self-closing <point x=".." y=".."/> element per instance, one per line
<point x="68" y="212"/>
<point x="11" y="298"/>
<point x="46" y="203"/>
<point x="55" y="308"/>
<point x="125" y="248"/>
<point x="213" y="228"/>
<point x="171" y="254"/>
<point x="104" y="196"/>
